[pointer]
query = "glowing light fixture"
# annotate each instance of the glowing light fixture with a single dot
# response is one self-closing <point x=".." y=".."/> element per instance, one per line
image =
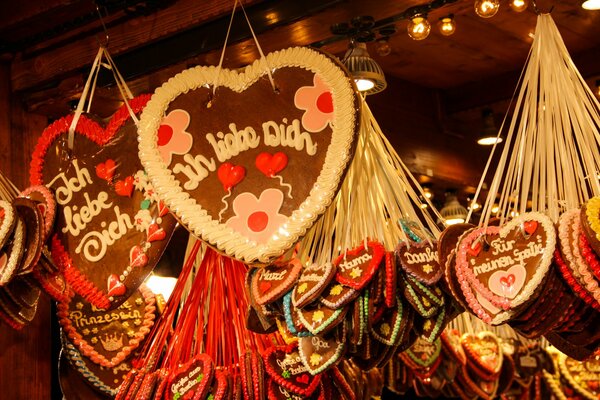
<point x="487" y="8"/>
<point x="518" y="5"/>
<point x="590" y="4"/>
<point x="418" y="27"/>
<point x="161" y="285"/>
<point x="367" y="74"/>
<point x="447" y="25"/>
<point x="453" y="212"/>
<point x="489" y="134"/>
<point x="427" y="191"/>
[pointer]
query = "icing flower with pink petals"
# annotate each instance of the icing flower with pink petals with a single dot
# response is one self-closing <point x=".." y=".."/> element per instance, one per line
<point x="172" y="137"/>
<point x="318" y="103"/>
<point x="257" y="219"/>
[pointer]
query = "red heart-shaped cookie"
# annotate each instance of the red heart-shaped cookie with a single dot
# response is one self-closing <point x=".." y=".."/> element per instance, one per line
<point x="356" y="267"/>
<point x="98" y="222"/>
<point x="191" y="380"/>
<point x="284" y="365"/>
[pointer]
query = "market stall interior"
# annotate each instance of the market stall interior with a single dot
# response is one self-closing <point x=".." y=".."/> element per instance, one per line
<point x="437" y="83"/>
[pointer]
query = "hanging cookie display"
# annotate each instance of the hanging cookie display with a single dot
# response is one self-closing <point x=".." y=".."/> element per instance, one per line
<point x="110" y="227"/>
<point x="230" y="172"/>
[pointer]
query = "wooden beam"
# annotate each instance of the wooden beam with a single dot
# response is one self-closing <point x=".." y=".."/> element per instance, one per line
<point x="502" y="87"/>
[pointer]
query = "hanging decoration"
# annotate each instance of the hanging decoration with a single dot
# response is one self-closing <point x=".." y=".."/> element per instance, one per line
<point x="520" y="268"/>
<point x="111" y="229"/>
<point x="201" y="131"/>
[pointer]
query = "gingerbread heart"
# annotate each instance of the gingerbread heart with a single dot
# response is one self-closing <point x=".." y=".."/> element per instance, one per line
<point x="452" y="345"/>
<point x="420" y="260"/>
<point x="318" y="318"/>
<point x="583" y="376"/>
<point x="273" y="281"/>
<point x="108" y="337"/>
<point x="284" y="365"/>
<point x="105" y="380"/>
<point x="7" y="222"/>
<point x="356" y="267"/>
<point x="34" y="233"/>
<point x="254" y="221"/>
<point x="314" y="280"/>
<point x="99" y="220"/>
<point x="484" y="350"/>
<point x="46" y="204"/>
<point x="191" y="380"/>
<point x="319" y="353"/>
<point x="12" y="252"/>
<point x="422" y="353"/>
<point x="506" y="264"/>
<point x="338" y="295"/>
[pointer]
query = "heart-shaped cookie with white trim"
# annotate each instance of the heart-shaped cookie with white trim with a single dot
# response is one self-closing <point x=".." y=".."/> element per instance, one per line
<point x="105" y="206"/>
<point x="484" y="351"/>
<point x="273" y="281"/>
<point x="7" y="222"/>
<point x="314" y="280"/>
<point x="506" y="264"/>
<point x="206" y="156"/>
<point x="420" y="260"/>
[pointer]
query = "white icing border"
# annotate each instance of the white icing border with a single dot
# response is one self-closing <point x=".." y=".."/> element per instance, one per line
<point x="7" y="222"/>
<point x="337" y="158"/>
<point x="16" y="252"/>
<point x="546" y="260"/>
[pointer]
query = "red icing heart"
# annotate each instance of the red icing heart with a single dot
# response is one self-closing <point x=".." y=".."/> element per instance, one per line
<point x="137" y="257"/>
<point x="508" y="280"/>
<point x="162" y="209"/>
<point x="124" y="187"/>
<point x="264" y="286"/>
<point x="475" y="248"/>
<point x="94" y="205"/>
<point x="271" y="164"/>
<point x="115" y="286"/>
<point x="303" y="379"/>
<point x="230" y="175"/>
<point x="106" y="170"/>
<point x="165" y="133"/>
<point x="155" y="233"/>
<point x="530" y="227"/>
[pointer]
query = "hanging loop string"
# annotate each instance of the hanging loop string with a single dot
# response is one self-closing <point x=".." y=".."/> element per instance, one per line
<point x="84" y="96"/>
<point x="260" y="51"/>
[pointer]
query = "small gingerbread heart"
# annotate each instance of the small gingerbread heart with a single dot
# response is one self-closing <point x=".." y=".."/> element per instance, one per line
<point x="273" y="281"/>
<point x="313" y="281"/>
<point x="356" y="267"/>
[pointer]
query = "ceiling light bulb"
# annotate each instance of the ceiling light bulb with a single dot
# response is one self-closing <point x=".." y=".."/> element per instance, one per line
<point x="590" y="4"/>
<point x="447" y="25"/>
<point x="383" y="47"/>
<point x="518" y="5"/>
<point x="487" y="8"/>
<point x="453" y="212"/>
<point x="489" y="133"/>
<point x="418" y="27"/>
<point x="364" y="84"/>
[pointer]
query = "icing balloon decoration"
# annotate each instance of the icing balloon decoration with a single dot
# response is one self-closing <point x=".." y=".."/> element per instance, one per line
<point x="194" y="144"/>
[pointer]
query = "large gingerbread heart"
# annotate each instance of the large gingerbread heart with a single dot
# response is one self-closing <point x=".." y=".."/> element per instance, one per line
<point x="110" y="228"/>
<point x="583" y="376"/>
<point x="250" y="170"/>
<point x="507" y="264"/>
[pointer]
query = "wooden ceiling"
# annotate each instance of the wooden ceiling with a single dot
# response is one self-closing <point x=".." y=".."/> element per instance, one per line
<point x="440" y="83"/>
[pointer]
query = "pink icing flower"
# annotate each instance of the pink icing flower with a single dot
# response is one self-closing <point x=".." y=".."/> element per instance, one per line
<point x="318" y="103"/>
<point x="257" y="219"/>
<point x="172" y="137"/>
